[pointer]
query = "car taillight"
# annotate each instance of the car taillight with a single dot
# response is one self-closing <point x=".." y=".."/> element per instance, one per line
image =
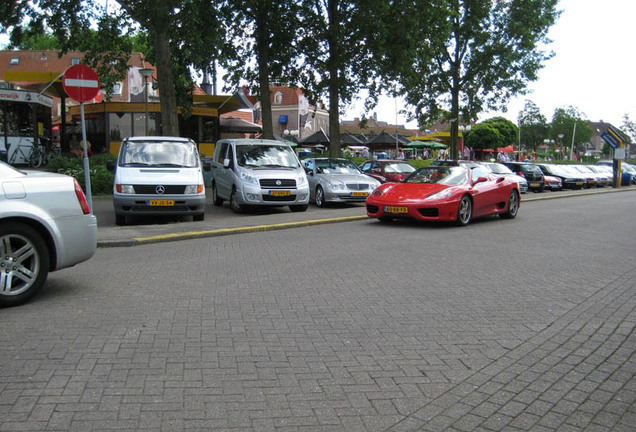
<point x="521" y="174"/>
<point x="200" y="189"/>
<point x="81" y="198"/>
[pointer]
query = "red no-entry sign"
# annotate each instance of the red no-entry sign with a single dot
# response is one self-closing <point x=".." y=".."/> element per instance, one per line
<point x="81" y="83"/>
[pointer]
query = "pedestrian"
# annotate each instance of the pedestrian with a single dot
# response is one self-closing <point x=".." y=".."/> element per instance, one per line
<point x="74" y="147"/>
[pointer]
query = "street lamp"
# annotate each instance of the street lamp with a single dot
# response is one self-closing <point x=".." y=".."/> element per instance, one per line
<point x="561" y="144"/>
<point x="146" y="73"/>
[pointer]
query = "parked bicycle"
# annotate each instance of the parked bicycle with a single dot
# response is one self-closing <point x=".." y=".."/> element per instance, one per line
<point x="36" y="155"/>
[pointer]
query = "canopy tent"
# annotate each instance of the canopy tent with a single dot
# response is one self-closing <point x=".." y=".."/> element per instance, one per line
<point x="231" y="124"/>
<point x="386" y="139"/>
<point x="507" y="149"/>
<point x="319" y="137"/>
<point x="426" y="144"/>
<point x="347" y="138"/>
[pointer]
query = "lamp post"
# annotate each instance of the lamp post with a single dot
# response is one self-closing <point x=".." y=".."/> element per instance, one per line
<point x="146" y="73"/>
<point x="561" y="144"/>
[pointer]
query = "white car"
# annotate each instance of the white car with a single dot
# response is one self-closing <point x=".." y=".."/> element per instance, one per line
<point x="500" y="169"/>
<point x="45" y="225"/>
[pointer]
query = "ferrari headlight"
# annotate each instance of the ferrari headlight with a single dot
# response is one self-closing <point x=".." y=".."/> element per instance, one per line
<point x="440" y="195"/>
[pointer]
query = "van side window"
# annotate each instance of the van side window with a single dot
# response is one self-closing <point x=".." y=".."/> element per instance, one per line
<point x="230" y="156"/>
<point x="222" y="152"/>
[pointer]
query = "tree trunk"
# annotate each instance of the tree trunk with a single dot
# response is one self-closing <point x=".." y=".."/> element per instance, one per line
<point x="167" y="92"/>
<point x="263" y="76"/>
<point x="334" y="94"/>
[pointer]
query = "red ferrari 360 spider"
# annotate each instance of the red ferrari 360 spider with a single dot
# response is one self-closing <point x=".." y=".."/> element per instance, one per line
<point x="446" y="193"/>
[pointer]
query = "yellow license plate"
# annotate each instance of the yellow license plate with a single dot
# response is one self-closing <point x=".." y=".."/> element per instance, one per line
<point x="280" y="193"/>
<point x="395" y="209"/>
<point x="535" y="184"/>
<point x="161" y="203"/>
<point x="359" y="194"/>
<point x="579" y="183"/>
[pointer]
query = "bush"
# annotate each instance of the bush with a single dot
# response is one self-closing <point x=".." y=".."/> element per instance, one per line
<point x="101" y="178"/>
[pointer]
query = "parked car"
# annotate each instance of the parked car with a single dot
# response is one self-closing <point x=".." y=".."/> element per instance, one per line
<point x="553" y="183"/>
<point x="569" y="180"/>
<point x="446" y="193"/>
<point x="500" y="169"/>
<point x="602" y="177"/>
<point x="255" y="172"/>
<point x="627" y="178"/>
<point x="589" y="176"/>
<point x="530" y="172"/>
<point x="337" y="180"/>
<point x="387" y="170"/>
<point x="45" y="225"/>
<point x="158" y="175"/>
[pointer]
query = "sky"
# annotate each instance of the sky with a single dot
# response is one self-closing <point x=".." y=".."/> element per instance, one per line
<point x="593" y="69"/>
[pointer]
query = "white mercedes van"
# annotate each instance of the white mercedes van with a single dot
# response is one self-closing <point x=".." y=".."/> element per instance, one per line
<point x="158" y="175"/>
<point x="250" y="172"/>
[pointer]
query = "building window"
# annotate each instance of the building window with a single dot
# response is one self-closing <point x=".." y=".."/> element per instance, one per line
<point x="117" y="88"/>
<point x="14" y="61"/>
<point x="278" y="98"/>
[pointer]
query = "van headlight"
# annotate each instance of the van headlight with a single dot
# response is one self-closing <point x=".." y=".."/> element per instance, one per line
<point x="125" y="189"/>
<point x="249" y="179"/>
<point x="302" y="180"/>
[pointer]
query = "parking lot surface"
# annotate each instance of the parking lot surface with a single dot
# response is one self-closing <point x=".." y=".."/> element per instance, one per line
<point x="503" y="325"/>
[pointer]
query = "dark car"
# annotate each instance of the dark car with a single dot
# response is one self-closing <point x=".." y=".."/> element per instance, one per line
<point x="387" y="171"/>
<point x="569" y="180"/>
<point x="531" y="172"/>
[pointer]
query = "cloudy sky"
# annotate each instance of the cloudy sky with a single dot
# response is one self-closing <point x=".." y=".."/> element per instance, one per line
<point x="593" y="69"/>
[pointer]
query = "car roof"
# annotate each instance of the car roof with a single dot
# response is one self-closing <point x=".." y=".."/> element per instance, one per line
<point x="158" y="138"/>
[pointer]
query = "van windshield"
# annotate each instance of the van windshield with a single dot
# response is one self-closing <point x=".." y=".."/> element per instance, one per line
<point x="266" y="156"/>
<point x="159" y="154"/>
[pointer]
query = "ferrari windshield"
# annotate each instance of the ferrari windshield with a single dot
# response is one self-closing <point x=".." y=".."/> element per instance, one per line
<point x="398" y="167"/>
<point x="336" y="166"/>
<point x="443" y="175"/>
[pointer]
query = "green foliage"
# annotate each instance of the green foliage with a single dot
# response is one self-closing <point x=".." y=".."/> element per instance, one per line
<point x="562" y="128"/>
<point x="484" y="136"/>
<point x="101" y="178"/>
<point x="508" y="130"/>
<point x="533" y="125"/>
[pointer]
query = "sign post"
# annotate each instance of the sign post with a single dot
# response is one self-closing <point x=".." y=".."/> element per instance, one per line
<point x="81" y="84"/>
<point x="613" y="138"/>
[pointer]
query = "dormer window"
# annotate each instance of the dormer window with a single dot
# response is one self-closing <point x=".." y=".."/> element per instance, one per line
<point x="14" y="61"/>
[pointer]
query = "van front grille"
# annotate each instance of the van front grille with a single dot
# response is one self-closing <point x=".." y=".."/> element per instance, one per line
<point x="278" y="183"/>
<point x="152" y="189"/>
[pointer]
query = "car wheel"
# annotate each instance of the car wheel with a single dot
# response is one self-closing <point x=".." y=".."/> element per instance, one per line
<point x="465" y="211"/>
<point x="198" y="217"/>
<point x="120" y="220"/>
<point x="24" y="263"/>
<point x="513" y="206"/>
<point x="298" y="208"/>
<point x="320" y="197"/>
<point x="215" y="196"/>
<point x="234" y="204"/>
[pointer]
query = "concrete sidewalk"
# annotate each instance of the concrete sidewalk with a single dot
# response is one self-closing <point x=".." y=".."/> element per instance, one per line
<point x="222" y="221"/>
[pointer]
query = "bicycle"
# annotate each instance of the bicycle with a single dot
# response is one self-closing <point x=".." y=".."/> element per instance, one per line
<point x="36" y="155"/>
<point x="44" y="153"/>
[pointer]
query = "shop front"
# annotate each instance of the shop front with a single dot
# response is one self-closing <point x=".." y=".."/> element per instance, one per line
<point x="25" y="119"/>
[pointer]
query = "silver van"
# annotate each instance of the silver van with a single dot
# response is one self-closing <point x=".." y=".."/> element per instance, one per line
<point x="158" y="175"/>
<point x="258" y="172"/>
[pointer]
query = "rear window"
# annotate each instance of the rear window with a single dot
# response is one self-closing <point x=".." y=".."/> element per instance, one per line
<point x="530" y="169"/>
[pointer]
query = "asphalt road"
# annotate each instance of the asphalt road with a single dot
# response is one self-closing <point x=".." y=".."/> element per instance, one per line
<point x="524" y="324"/>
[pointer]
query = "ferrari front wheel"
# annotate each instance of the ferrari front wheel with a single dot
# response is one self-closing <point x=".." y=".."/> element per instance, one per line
<point x="465" y="211"/>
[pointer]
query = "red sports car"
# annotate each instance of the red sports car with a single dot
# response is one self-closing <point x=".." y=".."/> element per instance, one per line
<point x="446" y="193"/>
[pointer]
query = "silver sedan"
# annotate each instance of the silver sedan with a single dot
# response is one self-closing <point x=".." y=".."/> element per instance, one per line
<point x="337" y="180"/>
<point x="45" y="225"/>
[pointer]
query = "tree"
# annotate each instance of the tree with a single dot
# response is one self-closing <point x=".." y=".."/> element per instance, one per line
<point x="563" y="130"/>
<point x="344" y="44"/>
<point x="533" y="126"/>
<point x="484" y="136"/>
<point x="508" y="130"/>
<point x="261" y="37"/>
<point x="485" y="53"/>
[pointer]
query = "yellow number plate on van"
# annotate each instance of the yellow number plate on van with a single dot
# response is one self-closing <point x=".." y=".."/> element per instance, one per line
<point x="161" y="203"/>
<point x="394" y="209"/>
<point x="280" y="193"/>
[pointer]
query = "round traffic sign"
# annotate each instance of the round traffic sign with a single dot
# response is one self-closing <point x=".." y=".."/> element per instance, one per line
<point x="81" y="83"/>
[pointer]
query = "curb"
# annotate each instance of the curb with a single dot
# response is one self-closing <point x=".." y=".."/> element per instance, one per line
<point x="190" y="235"/>
<point x="138" y="241"/>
